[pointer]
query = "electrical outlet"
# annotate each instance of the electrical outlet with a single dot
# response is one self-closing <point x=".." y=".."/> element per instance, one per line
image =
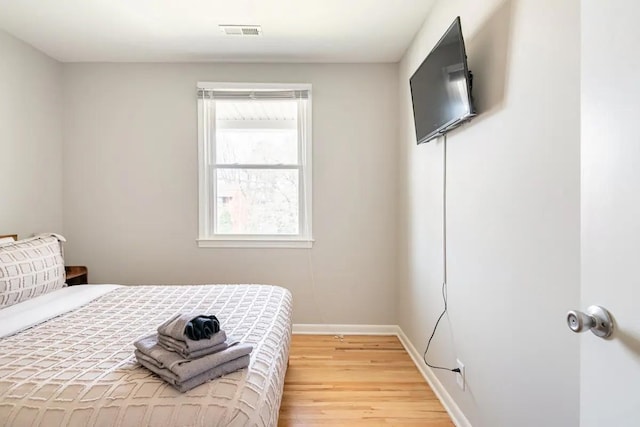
<point x="460" y="379"/>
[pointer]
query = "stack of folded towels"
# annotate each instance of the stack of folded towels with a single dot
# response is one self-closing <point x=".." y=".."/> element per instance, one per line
<point x="189" y="350"/>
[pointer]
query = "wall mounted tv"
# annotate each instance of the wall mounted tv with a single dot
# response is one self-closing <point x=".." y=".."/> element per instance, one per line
<point x="441" y="87"/>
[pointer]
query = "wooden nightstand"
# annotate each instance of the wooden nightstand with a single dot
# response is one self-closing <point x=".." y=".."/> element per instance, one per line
<point x="76" y="275"/>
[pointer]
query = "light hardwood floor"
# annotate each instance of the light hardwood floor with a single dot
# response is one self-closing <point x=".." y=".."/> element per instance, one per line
<point x="356" y="381"/>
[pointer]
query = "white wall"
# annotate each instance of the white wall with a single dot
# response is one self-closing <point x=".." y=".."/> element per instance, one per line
<point x="130" y="185"/>
<point x="610" y="210"/>
<point x="513" y="214"/>
<point x="30" y="139"/>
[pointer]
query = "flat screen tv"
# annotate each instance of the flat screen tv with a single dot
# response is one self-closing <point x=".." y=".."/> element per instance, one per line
<point x="441" y="87"/>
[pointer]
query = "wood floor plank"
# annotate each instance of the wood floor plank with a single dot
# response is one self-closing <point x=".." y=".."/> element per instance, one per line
<point x="356" y="380"/>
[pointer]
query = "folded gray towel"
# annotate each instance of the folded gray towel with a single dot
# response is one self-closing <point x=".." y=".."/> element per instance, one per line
<point x="218" y="371"/>
<point x="164" y="357"/>
<point x="172" y="337"/>
<point x="168" y="345"/>
<point x="192" y="349"/>
<point x="174" y="327"/>
<point x="171" y="365"/>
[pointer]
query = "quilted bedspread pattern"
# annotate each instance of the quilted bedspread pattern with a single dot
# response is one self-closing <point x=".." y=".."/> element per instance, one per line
<point x="78" y="369"/>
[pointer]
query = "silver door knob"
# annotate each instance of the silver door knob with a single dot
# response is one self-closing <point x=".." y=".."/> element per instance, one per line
<point x="597" y="319"/>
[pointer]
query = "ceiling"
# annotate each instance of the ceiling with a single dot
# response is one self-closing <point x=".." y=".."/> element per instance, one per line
<point x="187" y="30"/>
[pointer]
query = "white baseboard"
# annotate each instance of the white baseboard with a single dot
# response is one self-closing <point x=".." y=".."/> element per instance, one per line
<point x="456" y="414"/>
<point x="321" y="329"/>
<point x="454" y="411"/>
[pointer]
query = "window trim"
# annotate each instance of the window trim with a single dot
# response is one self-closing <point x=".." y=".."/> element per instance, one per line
<point x="207" y="192"/>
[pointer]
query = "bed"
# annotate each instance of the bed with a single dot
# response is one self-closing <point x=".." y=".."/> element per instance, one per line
<point x="66" y="355"/>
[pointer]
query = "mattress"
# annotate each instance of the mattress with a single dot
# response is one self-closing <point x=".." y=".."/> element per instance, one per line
<point x="78" y="368"/>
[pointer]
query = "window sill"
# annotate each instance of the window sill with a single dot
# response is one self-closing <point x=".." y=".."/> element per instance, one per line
<point x="256" y="243"/>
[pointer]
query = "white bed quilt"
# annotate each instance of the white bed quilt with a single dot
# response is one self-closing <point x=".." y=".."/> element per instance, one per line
<point x="78" y="369"/>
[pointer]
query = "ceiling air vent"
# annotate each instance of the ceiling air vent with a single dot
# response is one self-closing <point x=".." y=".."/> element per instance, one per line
<point x="241" y="30"/>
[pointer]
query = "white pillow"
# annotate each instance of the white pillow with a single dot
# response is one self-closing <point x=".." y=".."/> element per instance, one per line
<point x="29" y="268"/>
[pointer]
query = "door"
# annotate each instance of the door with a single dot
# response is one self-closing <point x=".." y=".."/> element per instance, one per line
<point x="610" y="228"/>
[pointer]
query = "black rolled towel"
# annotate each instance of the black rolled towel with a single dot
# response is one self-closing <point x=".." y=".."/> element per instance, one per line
<point x="202" y="327"/>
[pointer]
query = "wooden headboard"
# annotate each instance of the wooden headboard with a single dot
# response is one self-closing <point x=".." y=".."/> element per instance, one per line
<point x="15" y="236"/>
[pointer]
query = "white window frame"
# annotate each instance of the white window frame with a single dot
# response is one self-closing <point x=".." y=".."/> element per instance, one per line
<point x="207" y="238"/>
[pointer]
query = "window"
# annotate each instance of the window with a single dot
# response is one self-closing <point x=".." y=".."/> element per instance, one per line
<point x="254" y="165"/>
